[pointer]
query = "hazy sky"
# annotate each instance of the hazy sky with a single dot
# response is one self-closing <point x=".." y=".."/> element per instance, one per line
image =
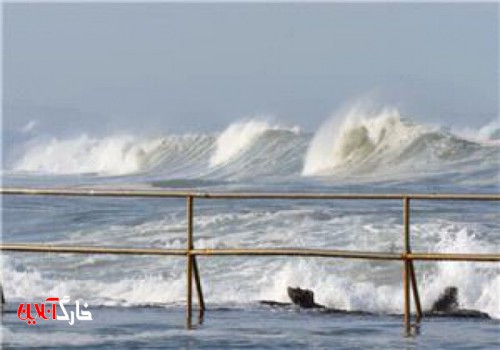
<point x="180" y="67"/>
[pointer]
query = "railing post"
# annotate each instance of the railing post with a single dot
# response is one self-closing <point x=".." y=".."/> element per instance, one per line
<point x="189" y="245"/>
<point x="406" y="267"/>
<point x="192" y="268"/>
<point x="201" y="302"/>
<point x="418" y="306"/>
<point x="411" y="267"/>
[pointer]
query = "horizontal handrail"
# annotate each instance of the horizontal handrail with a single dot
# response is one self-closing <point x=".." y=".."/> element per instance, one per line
<point x="349" y="254"/>
<point x="453" y="257"/>
<point x="50" y="248"/>
<point x="241" y="195"/>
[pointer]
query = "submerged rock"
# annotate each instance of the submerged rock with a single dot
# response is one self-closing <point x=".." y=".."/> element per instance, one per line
<point x="445" y="306"/>
<point x="303" y="298"/>
<point x="447" y="301"/>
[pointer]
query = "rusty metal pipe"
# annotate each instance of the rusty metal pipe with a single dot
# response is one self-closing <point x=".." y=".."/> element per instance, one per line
<point x="236" y="195"/>
<point x="189" y="267"/>
<point x="416" y="296"/>
<point x="327" y="253"/>
<point x="199" y="291"/>
<point x="406" y="266"/>
<point x="50" y="248"/>
<point x="406" y="298"/>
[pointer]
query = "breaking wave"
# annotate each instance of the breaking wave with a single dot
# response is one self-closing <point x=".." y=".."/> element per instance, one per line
<point x="359" y="142"/>
<point x="368" y="141"/>
<point x="243" y="147"/>
<point x="238" y="137"/>
<point x="106" y="156"/>
<point x="113" y="155"/>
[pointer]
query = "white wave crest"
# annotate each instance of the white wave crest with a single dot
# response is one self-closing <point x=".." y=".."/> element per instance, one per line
<point x="182" y="156"/>
<point x="238" y="137"/>
<point x="362" y="134"/>
<point x="382" y="142"/>
<point x="365" y="143"/>
<point x="114" y="155"/>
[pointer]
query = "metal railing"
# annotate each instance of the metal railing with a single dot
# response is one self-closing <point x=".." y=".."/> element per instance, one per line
<point x="190" y="252"/>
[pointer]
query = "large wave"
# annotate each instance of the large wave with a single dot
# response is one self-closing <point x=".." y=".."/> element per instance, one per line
<point x="257" y="148"/>
<point x="109" y="155"/>
<point x="381" y="141"/>
<point x="251" y="145"/>
<point x="112" y="155"/>
<point x="356" y="143"/>
<point x="238" y="137"/>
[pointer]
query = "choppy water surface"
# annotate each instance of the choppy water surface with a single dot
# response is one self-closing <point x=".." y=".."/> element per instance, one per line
<point x="254" y="328"/>
<point x="375" y="153"/>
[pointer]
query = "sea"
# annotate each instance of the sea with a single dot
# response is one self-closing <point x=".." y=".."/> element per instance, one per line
<point x="139" y="301"/>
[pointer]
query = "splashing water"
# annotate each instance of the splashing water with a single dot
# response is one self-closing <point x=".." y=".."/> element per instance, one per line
<point x="366" y="137"/>
<point x="109" y="156"/>
<point x="360" y="143"/>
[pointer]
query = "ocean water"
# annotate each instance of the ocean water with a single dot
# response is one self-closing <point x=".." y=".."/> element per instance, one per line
<point x="139" y="301"/>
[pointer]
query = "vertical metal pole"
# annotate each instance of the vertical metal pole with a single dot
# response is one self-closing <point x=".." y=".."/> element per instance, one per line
<point x="201" y="302"/>
<point x="416" y="296"/>
<point x="189" y="218"/>
<point x="406" y="296"/>
<point x="406" y="269"/>
<point x="406" y="223"/>
<point x="192" y="266"/>
<point x="411" y="268"/>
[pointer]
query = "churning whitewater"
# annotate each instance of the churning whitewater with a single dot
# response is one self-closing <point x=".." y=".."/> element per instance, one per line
<point x="358" y="150"/>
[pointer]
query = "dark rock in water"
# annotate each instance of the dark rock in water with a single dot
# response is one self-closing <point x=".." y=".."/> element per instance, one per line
<point x="447" y="302"/>
<point x="303" y="298"/>
<point x="447" y="306"/>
